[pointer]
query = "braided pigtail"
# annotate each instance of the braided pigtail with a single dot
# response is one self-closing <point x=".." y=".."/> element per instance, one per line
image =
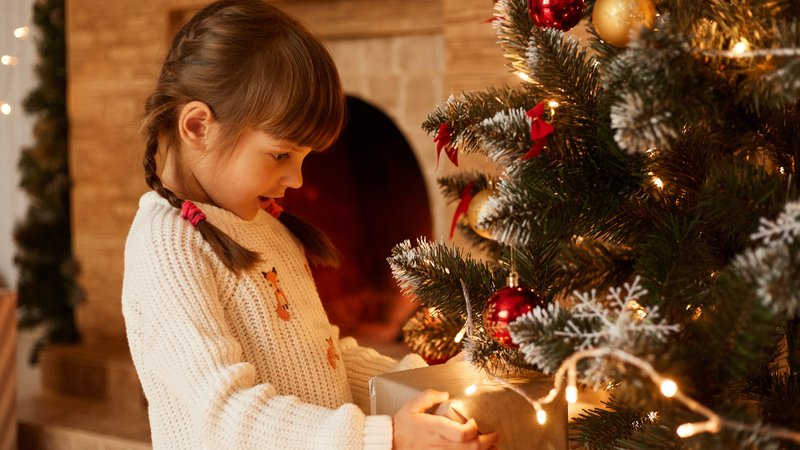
<point x="234" y="256"/>
<point x="320" y="251"/>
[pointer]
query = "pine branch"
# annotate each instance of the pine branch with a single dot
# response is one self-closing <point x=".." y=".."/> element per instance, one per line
<point x="590" y="264"/>
<point x="514" y="28"/>
<point x="602" y="429"/>
<point x="568" y="76"/>
<point x="433" y="337"/>
<point x="452" y="186"/>
<point x="431" y="273"/>
<point x="464" y="112"/>
<point x="778" y="397"/>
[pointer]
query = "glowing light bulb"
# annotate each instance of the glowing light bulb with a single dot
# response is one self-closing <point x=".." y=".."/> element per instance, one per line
<point x="471" y="389"/>
<point x="740" y="47"/>
<point x="9" y="60"/>
<point x="658" y="182"/>
<point x="554" y="104"/>
<point x="669" y="388"/>
<point x="524" y="76"/>
<point x="5" y="109"/>
<point x="634" y="306"/>
<point x="572" y="394"/>
<point x="21" y="32"/>
<point x="685" y="430"/>
<point x="541" y="416"/>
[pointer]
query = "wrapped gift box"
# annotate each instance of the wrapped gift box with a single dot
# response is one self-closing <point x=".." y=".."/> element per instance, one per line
<point x="493" y="406"/>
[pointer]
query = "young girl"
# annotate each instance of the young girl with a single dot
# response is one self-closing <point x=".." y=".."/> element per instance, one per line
<point x="226" y="329"/>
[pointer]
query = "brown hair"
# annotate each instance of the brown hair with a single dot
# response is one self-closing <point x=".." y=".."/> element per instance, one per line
<point x="255" y="67"/>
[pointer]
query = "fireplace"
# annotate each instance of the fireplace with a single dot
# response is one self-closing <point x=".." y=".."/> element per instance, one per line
<point x="368" y="194"/>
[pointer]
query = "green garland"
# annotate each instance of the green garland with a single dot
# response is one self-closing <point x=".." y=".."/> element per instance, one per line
<point x="46" y="283"/>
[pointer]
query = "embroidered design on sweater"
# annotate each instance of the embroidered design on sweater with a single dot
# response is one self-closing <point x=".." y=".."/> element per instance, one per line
<point x="332" y="355"/>
<point x="282" y="307"/>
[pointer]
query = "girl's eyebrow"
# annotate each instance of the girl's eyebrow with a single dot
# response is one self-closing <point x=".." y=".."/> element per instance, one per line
<point x="287" y="145"/>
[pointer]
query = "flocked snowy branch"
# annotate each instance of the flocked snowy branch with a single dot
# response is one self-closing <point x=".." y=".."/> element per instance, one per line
<point x="622" y="320"/>
<point x="784" y="229"/>
<point x="619" y="323"/>
<point x="773" y="268"/>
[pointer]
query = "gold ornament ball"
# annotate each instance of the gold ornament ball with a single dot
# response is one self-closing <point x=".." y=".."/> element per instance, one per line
<point x="614" y="19"/>
<point x="478" y="208"/>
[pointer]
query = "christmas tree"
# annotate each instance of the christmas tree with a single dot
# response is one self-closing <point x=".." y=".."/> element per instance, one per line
<point x="648" y="194"/>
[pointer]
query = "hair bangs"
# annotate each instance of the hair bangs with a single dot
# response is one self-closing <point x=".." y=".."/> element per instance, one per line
<point x="304" y="102"/>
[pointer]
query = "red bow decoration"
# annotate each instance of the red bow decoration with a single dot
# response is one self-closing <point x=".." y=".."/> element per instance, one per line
<point x="463" y="205"/>
<point x="539" y="130"/>
<point x="443" y="139"/>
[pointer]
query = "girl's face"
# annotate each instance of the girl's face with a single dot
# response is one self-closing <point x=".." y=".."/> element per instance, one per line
<point x="258" y="168"/>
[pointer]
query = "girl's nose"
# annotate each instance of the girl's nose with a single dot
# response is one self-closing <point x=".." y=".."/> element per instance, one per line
<point x="294" y="177"/>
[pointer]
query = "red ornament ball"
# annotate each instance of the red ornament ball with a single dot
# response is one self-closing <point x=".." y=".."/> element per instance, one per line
<point x="558" y="14"/>
<point x="505" y="306"/>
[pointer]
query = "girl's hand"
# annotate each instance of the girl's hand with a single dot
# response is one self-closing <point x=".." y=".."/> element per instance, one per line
<point x="413" y="429"/>
<point x="461" y="356"/>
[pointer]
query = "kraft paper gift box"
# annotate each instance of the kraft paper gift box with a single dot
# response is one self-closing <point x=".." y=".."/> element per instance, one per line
<point x="493" y="406"/>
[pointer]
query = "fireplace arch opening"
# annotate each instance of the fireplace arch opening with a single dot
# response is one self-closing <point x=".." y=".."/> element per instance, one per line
<point x="368" y="194"/>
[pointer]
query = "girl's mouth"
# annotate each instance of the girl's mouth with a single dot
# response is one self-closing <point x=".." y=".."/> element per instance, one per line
<point x="263" y="202"/>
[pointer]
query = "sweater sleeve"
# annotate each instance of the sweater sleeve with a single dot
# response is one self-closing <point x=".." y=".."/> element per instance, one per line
<point x="180" y="339"/>
<point x="363" y="363"/>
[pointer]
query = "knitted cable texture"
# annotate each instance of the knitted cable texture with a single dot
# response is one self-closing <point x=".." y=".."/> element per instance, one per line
<point x="247" y="361"/>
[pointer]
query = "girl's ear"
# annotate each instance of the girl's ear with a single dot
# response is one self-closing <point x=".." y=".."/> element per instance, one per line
<point x="194" y="124"/>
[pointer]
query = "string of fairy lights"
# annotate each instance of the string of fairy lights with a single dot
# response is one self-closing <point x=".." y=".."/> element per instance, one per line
<point x="9" y="61"/>
<point x="568" y="372"/>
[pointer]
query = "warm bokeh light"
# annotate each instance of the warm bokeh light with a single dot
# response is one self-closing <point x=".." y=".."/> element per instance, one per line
<point x="658" y="182"/>
<point x="460" y="335"/>
<point x="9" y="60"/>
<point x="524" y="76"/>
<point x="740" y="47"/>
<point x="685" y="430"/>
<point x="21" y="32"/>
<point x="572" y="394"/>
<point x="541" y="416"/>
<point x="669" y="388"/>
<point x="471" y="389"/>
<point x="5" y="108"/>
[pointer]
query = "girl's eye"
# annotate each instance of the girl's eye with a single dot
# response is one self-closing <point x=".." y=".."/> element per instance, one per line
<point x="280" y="156"/>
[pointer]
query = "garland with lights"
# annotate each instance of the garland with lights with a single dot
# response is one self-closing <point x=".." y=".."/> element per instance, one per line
<point x="46" y="285"/>
<point x="664" y="160"/>
<point x="8" y="60"/>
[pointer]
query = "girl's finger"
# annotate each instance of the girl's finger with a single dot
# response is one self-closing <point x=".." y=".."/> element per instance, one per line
<point x="456" y="432"/>
<point x="425" y="400"/>
<point x="488" y="441"/>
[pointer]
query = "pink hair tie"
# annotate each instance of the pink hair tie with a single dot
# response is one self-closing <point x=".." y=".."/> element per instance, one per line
<point x="273" y="208"/>
<point x="192" y="213"/>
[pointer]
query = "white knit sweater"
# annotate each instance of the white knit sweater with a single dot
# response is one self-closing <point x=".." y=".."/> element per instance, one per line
<point x="241" y="362"/>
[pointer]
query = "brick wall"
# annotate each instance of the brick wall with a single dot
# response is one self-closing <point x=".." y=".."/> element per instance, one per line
<point x="402" y="56"/>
